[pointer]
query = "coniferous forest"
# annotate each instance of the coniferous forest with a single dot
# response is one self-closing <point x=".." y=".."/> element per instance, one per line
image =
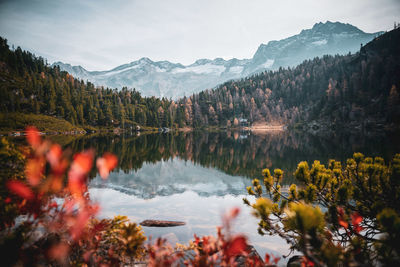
<point x="356" y="91"/>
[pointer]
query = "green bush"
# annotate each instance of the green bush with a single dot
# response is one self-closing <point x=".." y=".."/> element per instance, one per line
<point x="19" y="121"/>
<point x="337" y="214"/>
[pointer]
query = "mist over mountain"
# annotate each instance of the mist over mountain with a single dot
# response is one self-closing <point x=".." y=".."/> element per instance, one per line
<point x="166" y="79"/>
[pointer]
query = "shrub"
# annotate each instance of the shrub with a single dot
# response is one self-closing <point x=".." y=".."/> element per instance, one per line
<point x="336" y="215"/>
<point x="57" y="224"/>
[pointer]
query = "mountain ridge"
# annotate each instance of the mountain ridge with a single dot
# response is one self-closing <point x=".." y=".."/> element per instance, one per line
<point x="347" y="92"/>
<point x="167" y="79"/>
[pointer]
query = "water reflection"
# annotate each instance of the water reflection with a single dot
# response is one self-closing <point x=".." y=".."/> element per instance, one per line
<point x="173" y="176"/>
<point x="235" y="153"/>
<point x="196" y="176"/>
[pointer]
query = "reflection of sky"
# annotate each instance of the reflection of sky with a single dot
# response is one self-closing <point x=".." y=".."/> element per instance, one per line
<point x="182" y="191"/>
<point x="174" y="176"/>
<point x="201" y="214"/>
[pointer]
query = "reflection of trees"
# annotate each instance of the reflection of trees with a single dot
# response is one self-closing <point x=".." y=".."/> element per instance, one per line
<point x="235" y="153"/>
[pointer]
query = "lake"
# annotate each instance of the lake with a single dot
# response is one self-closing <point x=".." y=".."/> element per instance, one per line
<point x="197" y="176"/>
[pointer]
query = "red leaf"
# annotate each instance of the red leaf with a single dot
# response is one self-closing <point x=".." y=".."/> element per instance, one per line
<point x="358" y="228"/>
<point x="34" y="170"/>
<point x="53" y="205"/>
<point x="60" y="168"/>
<point x="234" y="212"/>
<point x="267" y="257"/>
<point x="237" y="246"/>
<point x="196" y="239"/>
<point x="343" y="223"/>
<point x="33" y="136"/>
<point x="106" y="164"/>
<point x="81" y="165"/>
<point x="307" y="263"/>
<point x="56" y="183"/>
<point x="341" y="218"/>
<point x="83" y="162"/>
<point x="20" y="189"/>
<point x="76" y="184"/>
<point x="80" y="224"/>
<point x="54" y="155"/>
<point x="356" y="218"/>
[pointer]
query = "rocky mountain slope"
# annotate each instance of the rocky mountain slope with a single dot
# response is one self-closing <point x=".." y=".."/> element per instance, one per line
<point x="166" y="79"/>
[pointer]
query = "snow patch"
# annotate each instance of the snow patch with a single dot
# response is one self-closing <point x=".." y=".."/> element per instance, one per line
<point x="158" y="69"/>
<point x="268" y="63"/>
<point x="110" y="73"/>
<point x="320" y="42"/>
<point x="345" y="35"/>
<point x="236" y="69"/>
<point x="201" y="69"/>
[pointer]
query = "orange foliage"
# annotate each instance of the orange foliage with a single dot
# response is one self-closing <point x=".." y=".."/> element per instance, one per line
<point x="69" y="219"/>
<point x="72" y="220"/>
<point x="341" y="218"/>
<point x="356" y="219"/>
<point x="106" y="163"/>
<point x="20" y="189"/>
<point x="33" y="136"/>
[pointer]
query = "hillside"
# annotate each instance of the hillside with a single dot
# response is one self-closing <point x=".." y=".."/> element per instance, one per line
<point x="354" y="91"/>
<point x="28" y="85"/>
<point x="166" y="79"/>
<point x="350" y="92"/>
<point x="18" y="121"/>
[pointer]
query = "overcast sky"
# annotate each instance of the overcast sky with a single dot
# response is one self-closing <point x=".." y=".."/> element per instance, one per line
<point x="100" y="35"/>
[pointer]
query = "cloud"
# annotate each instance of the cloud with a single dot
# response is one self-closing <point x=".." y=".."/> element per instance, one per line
<point x="100" y="34"/>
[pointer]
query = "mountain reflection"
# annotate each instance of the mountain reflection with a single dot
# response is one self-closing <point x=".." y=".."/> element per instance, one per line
<point x="166" y="178"/>
<point x="235" y="153"/>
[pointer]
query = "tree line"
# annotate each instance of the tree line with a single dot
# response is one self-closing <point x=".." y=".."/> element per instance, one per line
<point x="360" y="89"/>
<point x="28" y="84"/>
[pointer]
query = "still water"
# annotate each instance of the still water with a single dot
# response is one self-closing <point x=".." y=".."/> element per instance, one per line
<point x="195" y="177"/>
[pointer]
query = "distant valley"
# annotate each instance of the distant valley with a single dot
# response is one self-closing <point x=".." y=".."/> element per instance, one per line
<point x="174" y="80"/>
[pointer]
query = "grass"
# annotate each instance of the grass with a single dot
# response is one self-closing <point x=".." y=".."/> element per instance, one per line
<point x="10" y="122"/>
<point x="14" y="121"/>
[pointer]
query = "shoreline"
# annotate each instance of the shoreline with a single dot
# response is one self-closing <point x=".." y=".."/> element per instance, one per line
<point x="265" y="128"/>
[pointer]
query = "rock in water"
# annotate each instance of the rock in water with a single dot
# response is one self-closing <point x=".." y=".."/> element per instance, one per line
<point x="158" y="223"/>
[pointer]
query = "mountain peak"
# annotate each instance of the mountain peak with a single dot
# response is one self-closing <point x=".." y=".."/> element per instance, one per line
<point x="163" y="78"/>
<point x="67" y="65"/>
<point x="201" y="61"/>
<point x="145" y="60"/>
<point x="335" y="27"/>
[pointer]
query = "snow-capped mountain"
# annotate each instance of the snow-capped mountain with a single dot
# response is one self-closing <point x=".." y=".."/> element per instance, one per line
<point x="166" y="79"/>
<point x="163" y="78"/>
<point x="166" y="178"/>
<point x="328" y="38"/>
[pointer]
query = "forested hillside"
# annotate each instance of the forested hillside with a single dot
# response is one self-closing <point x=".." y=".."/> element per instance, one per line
<point x="28" y="84"/>
<point x="352" y="89"/>
<point x="360" y="90"/>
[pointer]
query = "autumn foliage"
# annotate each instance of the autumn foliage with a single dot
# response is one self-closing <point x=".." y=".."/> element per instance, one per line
<point x="51" y="220"/>
<point x="56" y="220"/>
<point x="337" y="215"/>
